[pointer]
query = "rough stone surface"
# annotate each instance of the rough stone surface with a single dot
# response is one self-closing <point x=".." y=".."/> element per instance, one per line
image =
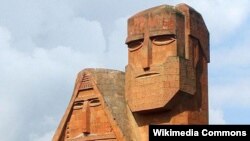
<point x="165" y="81"/>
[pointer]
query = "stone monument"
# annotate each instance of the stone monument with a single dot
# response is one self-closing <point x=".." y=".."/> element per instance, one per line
<point x="165" y="82"/>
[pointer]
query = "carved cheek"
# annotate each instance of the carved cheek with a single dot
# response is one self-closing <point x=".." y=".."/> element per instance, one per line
<point x="161" y="52"/>
<point x="135" y="51"/>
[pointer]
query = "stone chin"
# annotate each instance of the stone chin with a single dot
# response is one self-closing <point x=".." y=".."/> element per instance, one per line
<point x="154" y="90"/>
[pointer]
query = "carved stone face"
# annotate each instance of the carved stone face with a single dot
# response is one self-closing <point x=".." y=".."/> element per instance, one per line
<point x="88" y="118"/>
<point x="156" y="49"/>
<point x="80" y="121"/>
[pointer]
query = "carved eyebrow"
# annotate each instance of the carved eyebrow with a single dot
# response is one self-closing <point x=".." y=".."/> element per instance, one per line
<point x="134" y="38"/>
<point x="160" y="32"/>
<point x="169" y="35"/>
<point x="85" y="98"/>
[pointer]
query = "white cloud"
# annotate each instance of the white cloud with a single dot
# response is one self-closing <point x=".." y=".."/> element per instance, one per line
<point x="222" y="18"/>
<point x="117" y="49"/>
<point x="45" y="137"/>
<point x="232" y="56"/>
<point x="216" y="117"/>
<point x="78" y="33"/>
<point x="38" y="81"/>
<point x="231" y="94"/>
<point x="5" y="36"/>
<point x="44" y="123"/>
<point x="37" y="84"/>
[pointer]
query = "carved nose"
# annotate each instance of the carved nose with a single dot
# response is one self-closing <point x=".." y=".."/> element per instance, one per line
<point x="86" y="117"/>
<point x="146" y="53"/>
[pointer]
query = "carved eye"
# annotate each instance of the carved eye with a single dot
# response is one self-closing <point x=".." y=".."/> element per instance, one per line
<point x="163" y="40"/>
<point x="94" y="102"/>
<point x="78" y="105"/>
<point x="134" y="45"/>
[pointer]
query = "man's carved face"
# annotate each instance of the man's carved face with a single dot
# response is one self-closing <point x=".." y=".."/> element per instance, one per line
<point x="156" y="41"/>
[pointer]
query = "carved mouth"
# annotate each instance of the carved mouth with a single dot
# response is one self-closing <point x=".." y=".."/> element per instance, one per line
<point x="147" y="74"/>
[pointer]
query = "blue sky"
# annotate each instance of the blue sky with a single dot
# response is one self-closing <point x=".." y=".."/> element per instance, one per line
<point x="45" y="43"/>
